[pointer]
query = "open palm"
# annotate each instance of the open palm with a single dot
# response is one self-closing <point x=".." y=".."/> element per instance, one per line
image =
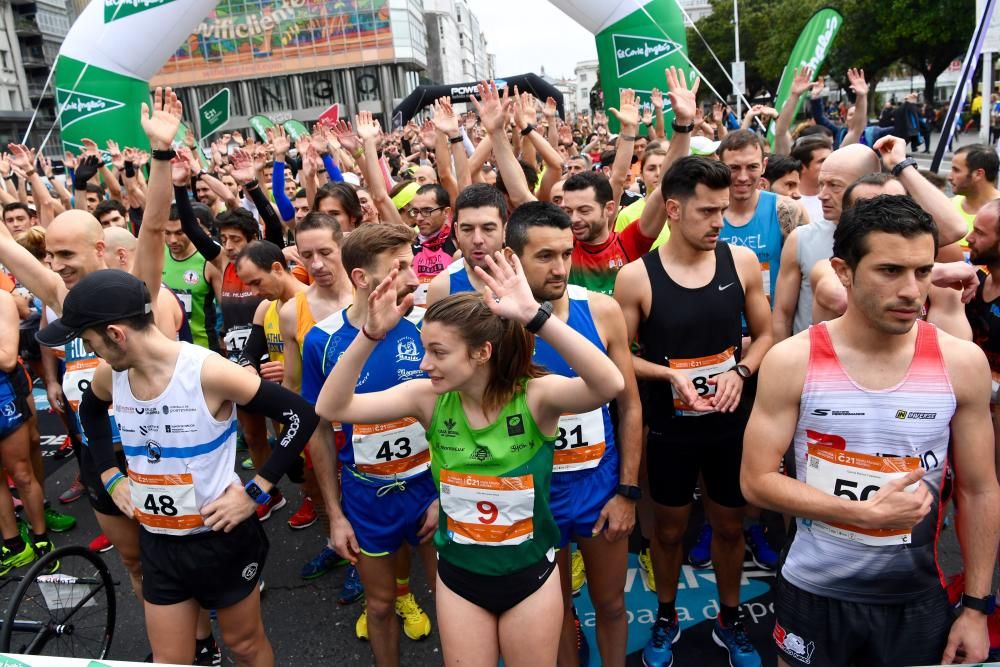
<point x="161" y="124"/>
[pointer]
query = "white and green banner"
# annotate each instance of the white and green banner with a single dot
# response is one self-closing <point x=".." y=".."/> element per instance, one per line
<point x="106" y="61"/>
<point x="809" y="51"/>
<point x="636" y="41"/>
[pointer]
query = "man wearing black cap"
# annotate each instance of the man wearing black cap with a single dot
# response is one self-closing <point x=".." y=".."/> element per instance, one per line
<point x="175" y="404"/>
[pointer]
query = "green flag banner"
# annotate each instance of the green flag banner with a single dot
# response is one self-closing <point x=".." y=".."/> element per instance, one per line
<point x="260" y="125"/>
<point x="810" y="50"/>
<point x="295" y="129"/>
<point x="636" y="41"/>
<point x="214" y="114"/>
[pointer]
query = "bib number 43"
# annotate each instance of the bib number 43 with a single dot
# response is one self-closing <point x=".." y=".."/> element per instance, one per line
<point x="398" y="449"/>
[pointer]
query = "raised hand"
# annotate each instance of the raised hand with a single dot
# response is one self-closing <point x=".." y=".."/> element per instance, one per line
<point x="510" y="295"/>
<point x="550" y="109"/>
<point x="526" y="109"/>
<point x="90" y="147"/>
<point x="491" y="108"/>
<point x="891" y="149"/>
<point x="189" y="157"/>
<point x="565" y="134"/>
<point x="717" y="112"/>
<point x="801" y="80"/>
<point x="628" y="113"/>
<point x="817" y="88"/>
<point x="684" y="100"/>
<point x="344" y="133"/>
<point x="180" y="171"/>
<point x="243" y="167"/>
<point x="69" y="160"/>
<point x="856" y="78"/>
<point x="22" y="157"/>
<point x="647" y="115"/>
<point x="366" y="126"/>
<point x="279" y="140"/>
<point x="427" y="135"/>
<point x="46" y="165"/>
<point x="385" y="310"/>
<point x="444" y="119"/>
<point x="238" y="138"/>
<point x="656" y="98"/>
<point x="117" y="159"/>
<point x="161" y="124"/>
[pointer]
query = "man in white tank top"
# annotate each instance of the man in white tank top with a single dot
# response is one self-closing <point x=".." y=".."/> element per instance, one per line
<point x="873" y="402"/>
<point x="201" y="545"/>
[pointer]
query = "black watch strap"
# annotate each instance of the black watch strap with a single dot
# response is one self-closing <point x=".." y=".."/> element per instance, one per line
<point x="683" y="129"/>
<point x="544" y="312"/>
<point x="629" y="491"/>
<point x="168" y="154"/>
<point x="986" y="605"/>
<point x="908" y="162"/>
<point x="455" y="140"/>
<point x="528" y="129"/>
<point x="743" y="371"/>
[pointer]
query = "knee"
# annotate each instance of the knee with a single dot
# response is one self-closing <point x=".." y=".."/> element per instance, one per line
<point x="668" y="534"/>
<point x="610" y="609"/>
<point x="728" y="532"/>
<point x="133" y="565"/>
<point x="22" y="474"/>
<point x="247" y="644"/>
<point x="380" y="610"/>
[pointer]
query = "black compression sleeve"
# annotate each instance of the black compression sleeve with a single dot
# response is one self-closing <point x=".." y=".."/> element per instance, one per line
<point x="273" y="230"/>
<point x="97" y="427"/>
<point x="274" y="401"/>
<point x="255" y="350"/>
<point x="203" y="243"/>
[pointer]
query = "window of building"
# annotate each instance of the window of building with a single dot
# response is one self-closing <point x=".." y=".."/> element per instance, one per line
<point x="583" y="78"/>
<point x="271" y="94"/>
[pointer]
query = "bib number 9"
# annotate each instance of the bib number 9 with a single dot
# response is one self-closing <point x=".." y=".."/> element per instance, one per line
<point x="157" y="505"/>
<point x="399" y="449"/>
<point x="488" y="511"/>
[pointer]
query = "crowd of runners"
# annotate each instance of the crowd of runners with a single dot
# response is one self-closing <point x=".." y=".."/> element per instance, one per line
<point x="504" y="343"/>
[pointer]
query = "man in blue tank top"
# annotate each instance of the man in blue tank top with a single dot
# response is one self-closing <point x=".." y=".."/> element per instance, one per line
<point x="595" y="475"/>
<point x="877" y="404"/>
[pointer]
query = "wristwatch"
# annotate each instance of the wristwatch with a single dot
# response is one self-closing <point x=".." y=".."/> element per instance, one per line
<point x="629" y="491"/>
<point x="908" y="162"/>
<point x="986" y="605"/>
<point x="544" y="312"/>
<point x="257" y="494"/>
<point x="743" y="371"/>
<point x="683" y="129"/>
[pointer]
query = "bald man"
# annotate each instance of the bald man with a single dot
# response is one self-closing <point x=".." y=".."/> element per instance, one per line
<point x="810" y="243"/>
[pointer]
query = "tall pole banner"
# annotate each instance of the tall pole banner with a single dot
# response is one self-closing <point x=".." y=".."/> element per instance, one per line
<point x="636" y="41"/>
<point x="968" y="67"/>
<point x="810" y="50"/>
<point x="106" y="60"/>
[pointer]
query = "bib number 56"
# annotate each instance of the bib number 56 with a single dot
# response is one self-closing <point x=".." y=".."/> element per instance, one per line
<point x="848" y="489"/>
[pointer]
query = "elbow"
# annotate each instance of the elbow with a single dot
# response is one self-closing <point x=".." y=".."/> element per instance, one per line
<point x="615" y="385"/>
<point x="749" y="488"/>
<point x="326" y="410"/>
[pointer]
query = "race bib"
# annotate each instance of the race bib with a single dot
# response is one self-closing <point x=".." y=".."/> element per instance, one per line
<point x="165" y="503"/>
<point x="858" y="477"/>
<point x="488" y="511"/>
<point x="580" y="442"/>
<point x="78" y="376"/>
<point x="388" y="451"/>
<point x="420" y="294"/>
<point x="765" y="276"/>
<point x="186" y="300"/>
<point x="236" y="339"/>
<point x="700" y="371"/>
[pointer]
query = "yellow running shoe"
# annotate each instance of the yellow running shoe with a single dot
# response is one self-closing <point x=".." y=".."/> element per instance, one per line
<point x="361" y="627"/>
<point x="578" y="574"/>
<point x="416" y="624"/>
<point x="646" y="570"/>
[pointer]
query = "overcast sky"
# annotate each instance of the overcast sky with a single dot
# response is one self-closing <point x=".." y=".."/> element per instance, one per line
<point x="526" y="34"/>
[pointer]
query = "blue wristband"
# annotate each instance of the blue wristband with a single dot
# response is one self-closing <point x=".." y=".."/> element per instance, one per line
<point x="110" y="484"/>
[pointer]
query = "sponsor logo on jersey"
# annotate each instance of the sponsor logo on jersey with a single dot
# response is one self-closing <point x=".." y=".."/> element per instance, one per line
<point x="515" y="425"/>
<point x="903" y="414"/>
<point x="481" y="454"/>
<point x="191" y="277"/>
<point x="793" y="645"/>
<point x="825" y="439"/>
<point x="249" y="571"/>
<point x="449" y="428"/>
<point x="830" y="412"/>
<point x="153" y="451"/>
<point x="407" y="350"/>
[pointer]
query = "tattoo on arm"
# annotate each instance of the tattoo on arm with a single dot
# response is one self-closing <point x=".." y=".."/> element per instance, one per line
<point x="790" y="216"/>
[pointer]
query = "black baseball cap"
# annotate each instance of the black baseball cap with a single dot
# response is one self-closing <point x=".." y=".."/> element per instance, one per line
<point x="102" y="297"/>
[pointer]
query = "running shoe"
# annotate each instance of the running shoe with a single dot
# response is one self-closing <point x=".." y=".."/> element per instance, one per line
<point x="578" y="574"/>
<point x="207" y="652"/>
<point x="9" y="559"/>
<point x="761" y="552"/>
<point x="58" y="522"/>
<point x="737" y="642"/>
<point x="100" y="544"/>
<point x="73" y="493"/>
<point x="305" y="516"/>
<point x="351" y="590"/>
<point x="241" y="442"/>
<point x="43" y="548"/>
<point x="65" y="449"/>
<point x="246" y="464"/>
<point x="701" y="553"/>
<point x="582" y="645"/>
<point x="659" y="650"/>
<point x="646" y="569"/>
<point x="276" y="502"/>
<point x="416" y="624"/>
<point x="361" y="626"/>
<point x="325" y="561"/>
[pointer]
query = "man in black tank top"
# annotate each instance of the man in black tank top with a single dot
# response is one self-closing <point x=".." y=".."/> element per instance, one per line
<point x="685" y="302"/>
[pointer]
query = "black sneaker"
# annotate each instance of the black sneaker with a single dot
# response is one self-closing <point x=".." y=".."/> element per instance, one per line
<point x="44" y="547"/>
<point x="207" y="652"/>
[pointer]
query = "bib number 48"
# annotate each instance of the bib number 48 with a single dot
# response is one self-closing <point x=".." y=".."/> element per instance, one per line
<point x="845" y="488"/>
<point x="157" y="505"/>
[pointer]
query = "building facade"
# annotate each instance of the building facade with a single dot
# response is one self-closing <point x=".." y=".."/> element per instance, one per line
<point x="298" y="60"/>
<point x="586" y="72"/>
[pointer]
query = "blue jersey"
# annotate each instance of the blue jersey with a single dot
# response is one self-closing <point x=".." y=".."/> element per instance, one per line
<point x="762" y="234"/>
<point x="377" y="451"/>
<point x="80" y="367"/>
<point x="584" y="441"/>
<point x="458" y="278"/>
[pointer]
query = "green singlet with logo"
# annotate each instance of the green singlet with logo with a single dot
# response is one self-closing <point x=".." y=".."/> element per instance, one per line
<point x="494" y="482"/>
<point x="186" y="277"/>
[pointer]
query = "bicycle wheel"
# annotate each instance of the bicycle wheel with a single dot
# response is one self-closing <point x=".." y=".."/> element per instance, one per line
<point x="70" y="613"/>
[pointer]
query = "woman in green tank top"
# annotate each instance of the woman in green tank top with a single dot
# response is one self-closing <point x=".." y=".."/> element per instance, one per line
<point x="491" y="417"/>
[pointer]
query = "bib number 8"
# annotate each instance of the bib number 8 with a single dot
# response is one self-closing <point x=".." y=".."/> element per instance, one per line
<point x="159" y="505"/>
<point x="846" y="489"/>
<point x="399" y="449"/>
<point x="562" y="441"/>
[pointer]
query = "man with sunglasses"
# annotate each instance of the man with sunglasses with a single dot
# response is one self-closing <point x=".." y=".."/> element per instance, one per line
<point x="434" y="250"/>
